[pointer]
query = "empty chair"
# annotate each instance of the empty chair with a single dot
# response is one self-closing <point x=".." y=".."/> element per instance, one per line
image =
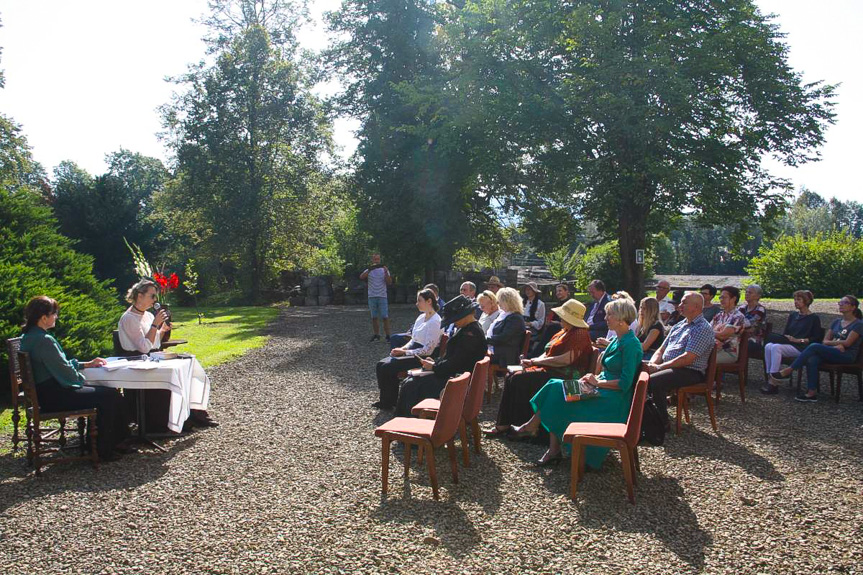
<point x="620" y="436"/>
<point x="428" y="408"/>
<point x="427" y="433"/>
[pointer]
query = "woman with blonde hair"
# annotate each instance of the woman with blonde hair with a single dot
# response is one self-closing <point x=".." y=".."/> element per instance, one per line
<point x="487" y="301"/>
<point x="506" y="334"/>
<point x="140" y="331"/>
<point x="650" y="331"/>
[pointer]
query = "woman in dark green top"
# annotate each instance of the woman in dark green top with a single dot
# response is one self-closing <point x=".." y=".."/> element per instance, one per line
<point x="620" y="366"/>
<point x="60" y="386"/>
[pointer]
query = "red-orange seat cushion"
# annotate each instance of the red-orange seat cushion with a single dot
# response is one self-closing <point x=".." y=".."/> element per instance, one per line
<point x="426" y="405"/>
<point x="611" y="430"/>
<point x="408" y="425"/>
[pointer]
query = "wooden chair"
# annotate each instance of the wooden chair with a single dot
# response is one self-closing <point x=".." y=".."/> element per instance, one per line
<point x="495" y="370"/>
<point x="620" y="436"/>
<point x="703" y="388"/>
<point x="837" y="370"/>
<point x="17" y="394"/>
<point x="739" y="367"/>
<point x="36" y="446"/>
<point x="429" y="408"/>
<point x="427" y="433"/>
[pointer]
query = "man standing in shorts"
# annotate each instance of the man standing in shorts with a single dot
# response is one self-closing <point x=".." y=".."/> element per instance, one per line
<point x="378" y="278"/>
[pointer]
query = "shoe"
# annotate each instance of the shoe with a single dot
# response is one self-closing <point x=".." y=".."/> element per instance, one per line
<point x="514" y="435"/>
<point x="388" y="339"/>
<point x="381" y="405"/>
<point x="375" y="337"/>
<point x="803" y="398"/>
<point x="770" y="389"/>
<point x="553" y="460"/>
<point x="125" y="449"/>
<point x="777" y="379"/>
<point x="206" y="422"/>
<point x="495" y="432"/>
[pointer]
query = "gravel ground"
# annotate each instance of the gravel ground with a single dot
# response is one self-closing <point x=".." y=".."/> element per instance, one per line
<point x="290" y="483"/>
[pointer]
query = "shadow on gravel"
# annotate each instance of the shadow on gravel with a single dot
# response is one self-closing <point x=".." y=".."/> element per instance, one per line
<point x="452" y="527"/>
<point x="19" y="484"/>
<point x="660" y="511"/>
<point x="696" y="443"/>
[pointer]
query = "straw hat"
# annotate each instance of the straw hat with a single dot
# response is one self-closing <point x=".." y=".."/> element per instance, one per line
<point x="533" y="286"/>
<point x="572" y="312"/>
<point x="494" y="281"/>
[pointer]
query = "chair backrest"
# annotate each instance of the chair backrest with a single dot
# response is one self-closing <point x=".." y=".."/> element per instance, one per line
<point x="442" y="345"/>
<point x="711" y="369"/>
<point x="593" y="366"/>
<point x="28" y="385"/>
<point x="451" y="407"/>
<point x="743" y="349"/>
<point x="636" y="412"/>
<point x="12" y="346"/>
<point x="525" y="345"/>
<point x="473" y="400"/>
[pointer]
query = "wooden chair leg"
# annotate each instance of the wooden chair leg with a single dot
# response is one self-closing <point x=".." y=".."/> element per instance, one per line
<point x="420" y="455"/>
<point x="488" y="385"/>
<point x="832" y="383"/>
<point x="476" y="435"/>
<point x="582" y="458"/>
<point x="717" y="386"/>
<point x="838" y="385"/>
<point x="711" y="412"/>
<point x="62" y="440"/>
<point x="407" y="457"/>
<point x="16" y="417"/>
<point x="574" y="469"/>
<point x="432" y="471"/>
<point x="686" y="408"/>
<point x="37" y="450"/>
<point x="626" y="461"/>
<point x="462" y="432"/>
<point x="453" y="460"/>
<point x="94" y="432"/>
<point x="385" y="463"/>
<point x="741" y="381"/>
<point x="81" y="436"/>
<point x="635" y="459"/>
<point x="679" y="410"/>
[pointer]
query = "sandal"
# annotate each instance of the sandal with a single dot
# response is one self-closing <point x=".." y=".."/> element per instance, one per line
<point x="496" y="432"/>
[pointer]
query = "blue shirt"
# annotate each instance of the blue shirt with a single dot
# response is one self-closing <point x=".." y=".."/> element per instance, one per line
<point x="694" y="336"/>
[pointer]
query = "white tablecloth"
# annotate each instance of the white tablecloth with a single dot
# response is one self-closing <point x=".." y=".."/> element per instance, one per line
<point x="184" y="378"/>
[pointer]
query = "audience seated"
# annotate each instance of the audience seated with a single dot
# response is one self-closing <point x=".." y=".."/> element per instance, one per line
<point x="506" y="334"/>
<point x="566" y="356"/>
<point x="650" y="330"/>
<point x="425" y="337"/>
<point x="493" y="284"/>
<point x="468" y="290"/>
<point x="603" y="342"/>
<point x="490" y="310"/>
<point x="676" y="316"/>
<point x="841" y="344"/>
<point x="666" y="307"/>
<point x="534" y="308"/>
<point x="727" y="325"/>
<point x="682" y="358"/>
<point x="708" y="292"/>
<point x="400" y="339"/>
<point x="552" y="323"/>
<point x="803" y="327"/>
<point x="615" y="383"/>
<point x="596" y="310"/>
<point x="755" y="315"/>
<point x="61" y="387"/>
<point x="466" y="347"/>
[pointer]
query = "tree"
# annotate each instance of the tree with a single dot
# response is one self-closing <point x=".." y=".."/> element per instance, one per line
<point x="247" y="133"/>
<point x="35" y="260"/>
<point x="628" y="110"/>
<point x="415" y="182"/>
<point x="101" y="212"/>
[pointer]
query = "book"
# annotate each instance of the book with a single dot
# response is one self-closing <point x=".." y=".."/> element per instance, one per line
<point x="573" y="390"/>
<point x="514" y="368"/>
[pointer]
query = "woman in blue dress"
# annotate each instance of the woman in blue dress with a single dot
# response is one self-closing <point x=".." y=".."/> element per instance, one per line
<point x="620" y="366"/>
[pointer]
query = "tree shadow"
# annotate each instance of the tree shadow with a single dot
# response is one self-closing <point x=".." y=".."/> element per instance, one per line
<point x="19" y="484"/>
<point x="697" y="443"/>
<point x="660" y="511"/>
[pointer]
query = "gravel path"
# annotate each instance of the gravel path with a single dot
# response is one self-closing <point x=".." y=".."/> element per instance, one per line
<point x="290" y="483"/>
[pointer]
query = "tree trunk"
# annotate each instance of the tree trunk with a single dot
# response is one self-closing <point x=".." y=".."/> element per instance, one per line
<point x="632" y="236"/>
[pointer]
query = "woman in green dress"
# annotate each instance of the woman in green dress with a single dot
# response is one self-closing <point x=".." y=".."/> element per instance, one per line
<point x="620" y="366"/>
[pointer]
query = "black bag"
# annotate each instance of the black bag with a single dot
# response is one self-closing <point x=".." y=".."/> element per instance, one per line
<point x="652" y="427"/>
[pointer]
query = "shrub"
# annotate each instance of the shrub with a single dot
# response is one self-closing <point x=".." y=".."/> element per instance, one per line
<point x="602" y="262"/>
<point x="830" y="265"/>
<point x="34" y="260"/>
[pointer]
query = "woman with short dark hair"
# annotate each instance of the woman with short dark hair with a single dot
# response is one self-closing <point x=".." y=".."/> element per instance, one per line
<point x="60" y="386"/>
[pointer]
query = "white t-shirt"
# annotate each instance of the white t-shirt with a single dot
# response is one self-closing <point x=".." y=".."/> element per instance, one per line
<point x="485" y="320"/>
<point x="133" y="328"/>
<point x="665" y="306"/>
<point x="377" y="279"/>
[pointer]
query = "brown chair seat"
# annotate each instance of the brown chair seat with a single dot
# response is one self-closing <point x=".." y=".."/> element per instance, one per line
<point x="408" y="425"/>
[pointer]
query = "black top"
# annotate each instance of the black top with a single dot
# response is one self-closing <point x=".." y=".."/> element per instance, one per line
<point x="598" y="325"/>
<point x="463" y="350"/>
<point x="507" y="337"/>
<point x="803" y="327"/>
<point x="658" y="341"/>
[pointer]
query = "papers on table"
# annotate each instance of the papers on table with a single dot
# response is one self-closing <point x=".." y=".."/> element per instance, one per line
<point x="114" y="364"/>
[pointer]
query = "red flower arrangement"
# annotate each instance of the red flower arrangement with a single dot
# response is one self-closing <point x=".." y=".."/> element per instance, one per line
<point x="166" y="283"/>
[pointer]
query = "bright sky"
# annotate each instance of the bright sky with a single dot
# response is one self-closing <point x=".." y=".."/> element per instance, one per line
<point x="85" y="77"/>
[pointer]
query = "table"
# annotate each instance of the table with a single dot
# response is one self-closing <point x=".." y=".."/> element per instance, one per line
<point x="173" y="342"/>
<point x="183" y="377"/>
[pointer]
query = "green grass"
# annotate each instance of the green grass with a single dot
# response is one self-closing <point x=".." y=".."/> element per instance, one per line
<point x="225" y="333"/>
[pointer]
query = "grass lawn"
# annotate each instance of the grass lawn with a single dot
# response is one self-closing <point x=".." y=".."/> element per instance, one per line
<point x="225" y="333"/>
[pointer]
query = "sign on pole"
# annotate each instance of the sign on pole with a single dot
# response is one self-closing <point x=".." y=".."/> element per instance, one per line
<point x="639" y="257"/>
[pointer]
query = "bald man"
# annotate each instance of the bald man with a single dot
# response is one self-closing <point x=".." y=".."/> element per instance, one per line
<point x="666" y="308"/>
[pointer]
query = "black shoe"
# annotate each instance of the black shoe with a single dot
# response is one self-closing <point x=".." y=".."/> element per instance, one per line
<point x="770" y="389"/>
<point x="388" y="339"/>
<point x="382" y="405"/>
<point x="803" y="398"/>
<point x="375" y="337"/>
<point x="207" y="422"/>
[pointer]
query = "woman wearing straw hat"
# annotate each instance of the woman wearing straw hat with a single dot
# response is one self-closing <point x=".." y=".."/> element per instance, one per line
<point x="566" y="356"/>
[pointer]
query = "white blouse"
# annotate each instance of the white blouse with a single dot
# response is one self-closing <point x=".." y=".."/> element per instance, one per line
<point x="485" y="320"/>
<point x="426" y="333"/>
<point x="133" y="330"/>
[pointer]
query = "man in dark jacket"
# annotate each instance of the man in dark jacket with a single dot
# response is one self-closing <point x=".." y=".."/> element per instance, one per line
<point x="463" y="350"/>
<point x="595" y="317"/>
